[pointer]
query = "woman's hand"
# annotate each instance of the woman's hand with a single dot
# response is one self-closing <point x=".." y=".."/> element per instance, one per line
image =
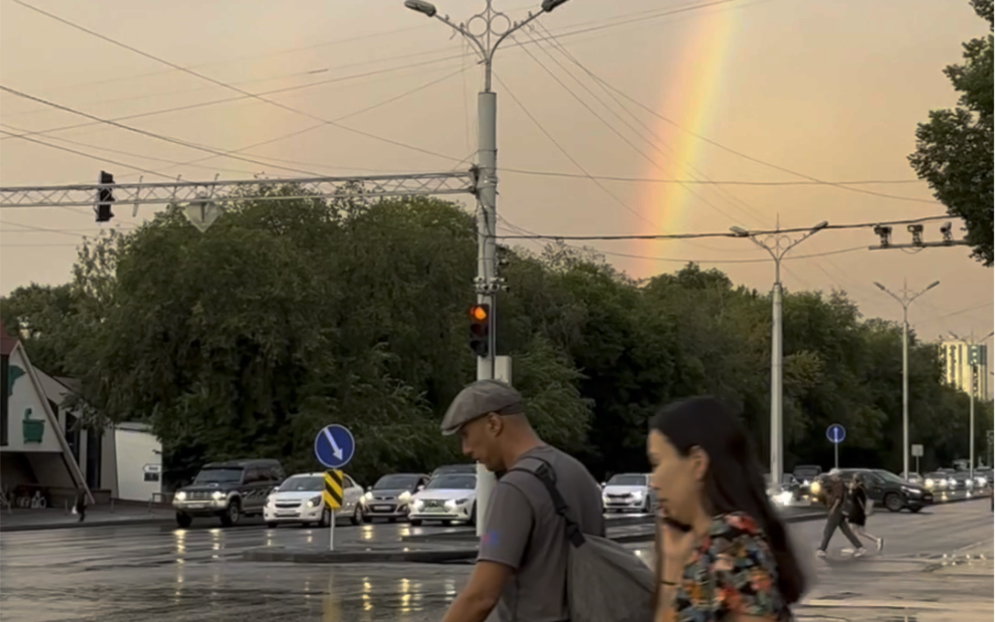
<point x="676" y="547"/>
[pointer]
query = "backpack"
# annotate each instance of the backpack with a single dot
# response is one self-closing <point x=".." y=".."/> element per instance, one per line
<point x="605" y="581"/>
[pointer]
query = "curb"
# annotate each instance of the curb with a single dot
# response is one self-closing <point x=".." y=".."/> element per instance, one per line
<point x="358" y="557"/>
<point x="84" y="525"/>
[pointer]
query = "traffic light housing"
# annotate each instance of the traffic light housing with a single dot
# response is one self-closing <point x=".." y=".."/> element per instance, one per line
<point x="480" y="329"/>
<point x="104" y="198"/>
<point x="974" y="356"/>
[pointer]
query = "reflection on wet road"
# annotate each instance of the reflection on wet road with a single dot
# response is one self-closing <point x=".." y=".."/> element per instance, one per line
<point x="123" y="574"/>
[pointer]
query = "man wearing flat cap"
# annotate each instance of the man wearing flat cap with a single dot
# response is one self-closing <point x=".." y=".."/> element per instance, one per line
<point x="521" y="570"/>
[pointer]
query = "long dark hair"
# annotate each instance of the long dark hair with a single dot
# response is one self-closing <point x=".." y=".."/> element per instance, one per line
<point x="733" y="482"/>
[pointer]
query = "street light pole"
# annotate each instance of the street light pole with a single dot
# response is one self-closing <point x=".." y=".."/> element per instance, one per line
<point x="486" y="31"/>
<point x="906" y="299"/>
<point x="971" y="343"/>
<point x="777" y="244"/>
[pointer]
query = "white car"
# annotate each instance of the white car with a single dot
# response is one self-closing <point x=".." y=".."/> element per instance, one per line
<point x="628" y="492"/>
<point x="448" y="497"/>
<point x="298" y="500"/>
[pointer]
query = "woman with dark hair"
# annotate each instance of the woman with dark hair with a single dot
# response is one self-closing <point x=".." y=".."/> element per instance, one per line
<point x="722" y="552"/>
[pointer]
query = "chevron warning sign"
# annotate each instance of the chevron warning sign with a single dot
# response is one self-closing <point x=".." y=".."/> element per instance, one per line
<point x="332" y="494"/>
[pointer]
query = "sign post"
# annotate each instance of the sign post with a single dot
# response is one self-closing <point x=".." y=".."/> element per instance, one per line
<point x="836" y="433"/>
<point x="917" y="453"/>
<point x="334" y="447"/>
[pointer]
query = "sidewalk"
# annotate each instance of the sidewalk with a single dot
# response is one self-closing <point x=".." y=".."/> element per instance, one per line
<point x="19" y="519"/>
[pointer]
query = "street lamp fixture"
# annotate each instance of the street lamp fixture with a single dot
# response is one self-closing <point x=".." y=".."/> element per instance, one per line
<point x="549" y="5"/>
<point x="777" y="244"/>
<point x="906" y="299"/>
<point x="426" y="8"/>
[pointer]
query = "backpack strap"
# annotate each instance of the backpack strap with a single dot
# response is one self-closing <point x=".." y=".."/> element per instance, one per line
<point x="546" y="474"/>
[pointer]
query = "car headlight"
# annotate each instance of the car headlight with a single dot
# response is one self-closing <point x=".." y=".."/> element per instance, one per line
<point x="638" y="495"/>
<point x="930" y="483"/>
<point x="367" y="496"/>
<point x="404" y="497"/>
<point x="180" y="496"/>
<point x="816" y="487"/>
<point x="217" y="495"/>
<point x="271" y="500"/>
<point x="314" y="502"/>
<point x="952" y="483"/>
<point x="417" y="505"/>
<point x="783" y="497"/>
<point x="981" y="481"/>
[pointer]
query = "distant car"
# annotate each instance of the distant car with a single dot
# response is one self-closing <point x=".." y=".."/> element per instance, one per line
<point x="391" y="496"/>
<point x="915" y="478"/>
<point x="938" y="481"/>
<point x="963" y="481"/>
<point x="807" y="474"/>
<point x="448" y="497"/>
<point x="298" y="500"/>
<point x="227" y="490"/>
<point x="628" y="492"/>
<point x="983" y="475"/>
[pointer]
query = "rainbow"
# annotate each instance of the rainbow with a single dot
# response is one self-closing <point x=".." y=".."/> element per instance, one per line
<point x="688" y="98"/>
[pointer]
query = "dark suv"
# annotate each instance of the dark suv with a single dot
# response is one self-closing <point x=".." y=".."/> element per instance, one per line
<point x="228" y="490"/>
<point x="887" y="489"/>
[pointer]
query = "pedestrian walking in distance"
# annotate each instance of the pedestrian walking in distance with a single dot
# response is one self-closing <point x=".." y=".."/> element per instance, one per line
<point x="722" y="552"/>
<point x="837" y="499"/>
<point x="857" y="515"/>
<point x="521" y="569"/>
<point x="81" y="504"/>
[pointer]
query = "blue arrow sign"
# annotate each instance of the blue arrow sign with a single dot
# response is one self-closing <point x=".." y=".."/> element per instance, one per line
<point x="836" y="433"/>
<point x="334" y="446"/>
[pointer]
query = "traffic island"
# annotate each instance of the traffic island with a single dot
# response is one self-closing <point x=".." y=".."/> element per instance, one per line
<point x="357" y="555"/>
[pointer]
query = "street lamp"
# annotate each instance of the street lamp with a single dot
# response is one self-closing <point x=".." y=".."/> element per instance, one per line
<point x="906" y="299"/>
<point x="777" y="244"/>
<point x="485" y="31"/>
<point x="971" y="344"/>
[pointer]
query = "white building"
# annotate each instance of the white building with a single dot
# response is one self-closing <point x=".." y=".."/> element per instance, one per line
<point x="957" y="368"/>
<point x="44" y="449"/>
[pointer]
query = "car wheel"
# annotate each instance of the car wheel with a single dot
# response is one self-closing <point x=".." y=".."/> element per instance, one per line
<point x="916" y="508"/>
<point x="415" y="522"/>
<point x="473" y="516"/>
<point x="357" y="515"/>
<point x="893" y="502"/>
<point x="183" y="520"/>
<point x="232" y="514"/>
<point x="323" y="521"/>
<point x="367" y="519"/>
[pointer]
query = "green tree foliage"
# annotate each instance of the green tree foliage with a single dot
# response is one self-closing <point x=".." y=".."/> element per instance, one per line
<point x="289" y="314"/>
<point x="954" y="149"/>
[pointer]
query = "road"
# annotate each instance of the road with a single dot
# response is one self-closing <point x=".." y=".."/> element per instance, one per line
<point x="932" y="569"/>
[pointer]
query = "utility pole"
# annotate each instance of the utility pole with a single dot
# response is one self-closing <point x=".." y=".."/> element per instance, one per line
<point x="974" y="359"/>
<point x="777" y="244"/>
<point x="906" y="299"/>
<point x="485" y="31"/>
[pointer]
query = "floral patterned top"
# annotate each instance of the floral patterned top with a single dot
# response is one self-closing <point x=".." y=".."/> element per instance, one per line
<point x="732" y="571"/>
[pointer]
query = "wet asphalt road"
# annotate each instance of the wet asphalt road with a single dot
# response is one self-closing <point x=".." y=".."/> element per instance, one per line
<point x="148" y="574"/>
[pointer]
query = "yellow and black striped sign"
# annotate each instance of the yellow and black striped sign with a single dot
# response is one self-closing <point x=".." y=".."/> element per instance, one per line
<point x="332" y="494"/>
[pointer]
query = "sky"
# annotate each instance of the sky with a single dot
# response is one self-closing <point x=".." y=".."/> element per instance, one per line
<point x="649" y="92"/>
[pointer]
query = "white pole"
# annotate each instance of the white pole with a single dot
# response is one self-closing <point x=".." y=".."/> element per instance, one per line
<point x="974" y="376"/>
<point x="836" y="455"/>
<point x="331" y="530"/>
<point x="776" y="369"/>
<point x="905" y="392"/>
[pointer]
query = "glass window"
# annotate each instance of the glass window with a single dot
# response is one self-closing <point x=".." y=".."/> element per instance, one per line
<point x="627" y="480"/>
<point x="396" y="482"/>
<point x="303" y="483"/>
<point x="455" y="481"/>
<point x="219" y="476"/>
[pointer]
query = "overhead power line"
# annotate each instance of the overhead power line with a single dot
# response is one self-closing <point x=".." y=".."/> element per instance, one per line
<point x="720" y="234"/>
<point x="712" y="182"/>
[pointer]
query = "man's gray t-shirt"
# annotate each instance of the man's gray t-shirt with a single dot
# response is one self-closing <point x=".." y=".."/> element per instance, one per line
<point x="525" y="533"/>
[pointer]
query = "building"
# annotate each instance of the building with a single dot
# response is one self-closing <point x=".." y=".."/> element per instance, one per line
<point x="955" y="356"/>
<point x="45" y="453"/>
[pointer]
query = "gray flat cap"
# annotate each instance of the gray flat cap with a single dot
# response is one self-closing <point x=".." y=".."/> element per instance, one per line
<point x="479" y="399"/>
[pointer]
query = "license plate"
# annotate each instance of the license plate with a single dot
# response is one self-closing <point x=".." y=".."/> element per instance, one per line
<point x="381" y="508"/>
<point x="197" y="506"/>
<point x="435" y="510"/>
<point x="286" y="514"/>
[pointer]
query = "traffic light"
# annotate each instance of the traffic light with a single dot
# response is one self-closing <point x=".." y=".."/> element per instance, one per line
<point x="480" y="329"/>
<point x="104" y="198"/>
<point x="974" y="356"/>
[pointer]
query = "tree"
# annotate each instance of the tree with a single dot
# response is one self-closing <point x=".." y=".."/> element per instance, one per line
<point x="954" y="149"/>
<point x="43" y="318"/>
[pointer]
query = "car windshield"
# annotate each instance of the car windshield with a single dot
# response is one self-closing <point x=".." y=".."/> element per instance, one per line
<point x="303" y="483"/>
<point x="807" y="472"/>
<point x="627" y="480"/>
<point x="456" y="481"/>
<point x="396" y="482"/>
<point x="218" y="476"/>
<point x="888" y="476"/>
<point x="936" y="475"/>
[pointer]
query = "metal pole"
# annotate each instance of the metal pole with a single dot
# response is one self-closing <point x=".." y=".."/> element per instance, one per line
<point x="974" y="375"/>
<point x="836" y="455"/>
<point x="776" y="376"/>
<point x="905" y="392"/>
<point x="331" y="530"/>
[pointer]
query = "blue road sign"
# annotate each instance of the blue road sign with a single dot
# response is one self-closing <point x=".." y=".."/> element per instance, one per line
<point x="836" y="433"/>
<point x="334" y="446"/>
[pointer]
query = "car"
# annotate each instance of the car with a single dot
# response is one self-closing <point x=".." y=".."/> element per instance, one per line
<point x="227" y="490"/>
<point x="448" y="497"/>
<point x="963" y="481"/>
<point x="454" y="468"/>
<point x="628" y="492"/>
<point x="889" y="490"/>
<point x="806" y="474"/>
<point x="298" y="500"/>
<point x="915" y="478"/>
<point x="938" y="481"/>
<point x="390" y="497"/>
<point x="983" y="475"/>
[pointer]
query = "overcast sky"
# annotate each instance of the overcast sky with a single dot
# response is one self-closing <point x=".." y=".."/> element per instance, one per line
<point x="827" y="90"/>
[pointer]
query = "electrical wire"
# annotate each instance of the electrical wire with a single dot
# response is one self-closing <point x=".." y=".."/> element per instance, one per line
<point x="721" y="234"/>
<point x="85" y="155"/>
<point x="711" y="182"/>
<point x="961" y="312"/>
